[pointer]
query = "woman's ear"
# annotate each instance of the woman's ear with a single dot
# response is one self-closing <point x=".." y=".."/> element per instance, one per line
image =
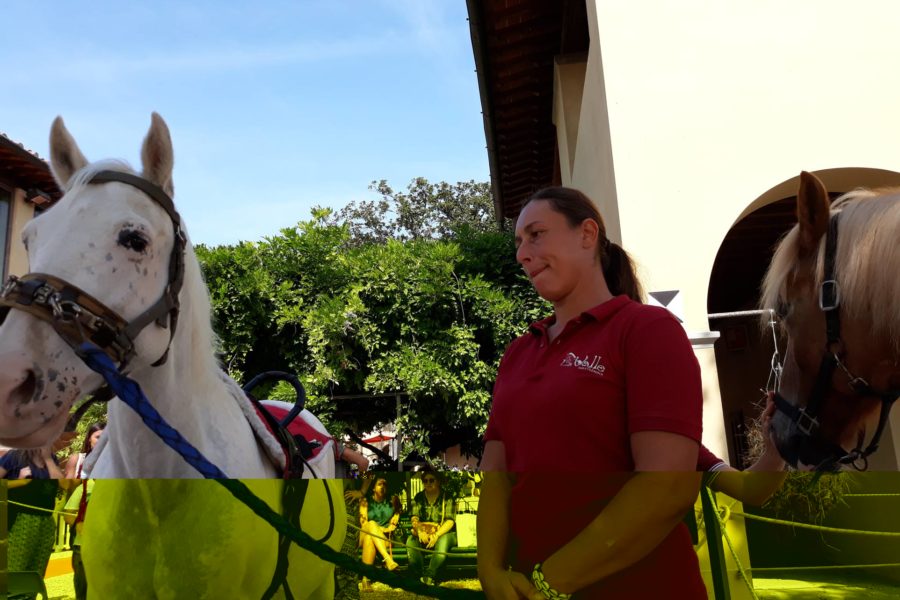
<point x="589" y="233"/>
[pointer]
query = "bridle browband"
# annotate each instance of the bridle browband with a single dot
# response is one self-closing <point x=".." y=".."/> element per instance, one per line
<point x="79" y="317"/>
<point x="806" y="418"/>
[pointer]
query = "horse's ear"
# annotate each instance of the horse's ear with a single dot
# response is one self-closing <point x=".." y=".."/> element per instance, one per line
<point x="813" y="212"/>
<point x="65" y="157"/>
<point x="157" y="157"/>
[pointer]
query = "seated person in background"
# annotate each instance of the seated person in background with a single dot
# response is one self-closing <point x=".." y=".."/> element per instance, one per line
<point x="759" y="481"/>
<point x="378" y="516"/>
<point x="433" y="522"/>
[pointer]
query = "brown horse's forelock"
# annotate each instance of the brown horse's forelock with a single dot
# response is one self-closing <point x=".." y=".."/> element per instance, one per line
<point x="867" y="261"/>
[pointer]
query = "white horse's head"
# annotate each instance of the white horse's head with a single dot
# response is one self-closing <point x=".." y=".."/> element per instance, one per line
<point x="111" y="241"/>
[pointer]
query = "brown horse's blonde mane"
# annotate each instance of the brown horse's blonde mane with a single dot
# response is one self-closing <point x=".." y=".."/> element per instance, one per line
<point x="867" y="262"/>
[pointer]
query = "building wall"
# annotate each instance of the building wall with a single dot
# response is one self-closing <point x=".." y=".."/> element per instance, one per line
<point x="22" y="212"/>
<point x="692" y="112"/>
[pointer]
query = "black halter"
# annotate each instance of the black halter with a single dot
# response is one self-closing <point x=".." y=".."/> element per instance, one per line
<point x="806" y="418"/>
<point x="78" y="317"/>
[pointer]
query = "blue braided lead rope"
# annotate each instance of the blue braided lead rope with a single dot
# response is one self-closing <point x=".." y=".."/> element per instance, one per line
<point x="240" y="491"/>
<point x="131" y="394"/>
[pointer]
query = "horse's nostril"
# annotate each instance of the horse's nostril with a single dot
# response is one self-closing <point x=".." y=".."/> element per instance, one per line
<point x="24" y="393"/>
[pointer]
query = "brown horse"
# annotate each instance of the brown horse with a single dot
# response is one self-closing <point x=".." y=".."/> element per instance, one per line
<point x="835" y="283"/>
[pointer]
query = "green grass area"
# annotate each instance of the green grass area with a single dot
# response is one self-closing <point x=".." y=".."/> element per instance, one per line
<point x="811" y="587"/>
<point x="826" y="587"/>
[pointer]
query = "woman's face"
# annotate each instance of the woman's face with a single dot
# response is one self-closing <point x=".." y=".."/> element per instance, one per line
<point x="95" y="437"/>
<point x="555" y="255"/>
<point x="431" y="483"/>
<point x="380" y="488"/>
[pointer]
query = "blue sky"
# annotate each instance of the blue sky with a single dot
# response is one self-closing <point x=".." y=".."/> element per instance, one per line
<point x="274" y="107"/>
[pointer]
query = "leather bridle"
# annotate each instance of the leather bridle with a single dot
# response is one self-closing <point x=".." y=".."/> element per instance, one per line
<point x="833" y="358"/>
<point x="79" y="317"/>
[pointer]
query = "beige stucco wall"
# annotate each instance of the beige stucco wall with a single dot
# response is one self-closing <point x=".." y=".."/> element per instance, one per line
<point x="693" y="110"/>
<point x="22" y="212"/>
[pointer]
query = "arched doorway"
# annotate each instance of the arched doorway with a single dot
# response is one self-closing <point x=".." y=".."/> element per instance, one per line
<point x="744" y="350"/>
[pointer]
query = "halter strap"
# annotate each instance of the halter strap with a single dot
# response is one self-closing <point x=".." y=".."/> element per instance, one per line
<point x="806" y="418"/>
<point x="78" y="316"/>
<point x="168" y="304"/>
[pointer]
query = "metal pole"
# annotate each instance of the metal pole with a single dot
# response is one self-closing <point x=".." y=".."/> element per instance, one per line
<point x="397" y="436"/>
<point x="740" y="313"/>
<point x="716" y="549"/>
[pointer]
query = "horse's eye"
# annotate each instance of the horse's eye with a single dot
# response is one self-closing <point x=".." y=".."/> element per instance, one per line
<point x="133" y="240"/>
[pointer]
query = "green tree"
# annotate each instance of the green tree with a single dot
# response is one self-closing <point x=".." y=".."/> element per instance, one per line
<point x="425" y="211"/>
<point x="411" y="294"/>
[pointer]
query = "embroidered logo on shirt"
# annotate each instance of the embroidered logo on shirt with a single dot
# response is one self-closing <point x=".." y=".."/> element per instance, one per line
<point x="591" y="364"/>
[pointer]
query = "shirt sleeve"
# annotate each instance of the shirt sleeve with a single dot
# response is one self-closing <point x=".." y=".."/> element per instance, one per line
<point x="662" y="378"/>
<point x="449" y="508"/>
<point x="707" y="461"/>
<point x="8" y="463"/>
<point x="417" y="507"/>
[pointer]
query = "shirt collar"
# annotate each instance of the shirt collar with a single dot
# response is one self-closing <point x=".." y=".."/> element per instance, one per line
<point x="598" y="313"/>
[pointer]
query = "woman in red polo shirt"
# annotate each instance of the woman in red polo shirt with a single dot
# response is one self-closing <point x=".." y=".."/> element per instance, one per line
<point x="592" y="443"/>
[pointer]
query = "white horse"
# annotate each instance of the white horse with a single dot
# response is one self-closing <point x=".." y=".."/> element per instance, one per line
<point x="177" y="539"/>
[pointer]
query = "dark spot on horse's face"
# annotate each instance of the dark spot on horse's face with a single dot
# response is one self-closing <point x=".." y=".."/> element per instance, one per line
<point x="89" y="270"/>
<point x="52" y="374"/>
<point x="61" y="386"/>
<point x="130" y="286"/>
<point x="92" y="245"/>
<point x="145" y="272"/>
<point x="108" y="256"/>
<point x="58" y="404"/>
<point x="114" y="269"/>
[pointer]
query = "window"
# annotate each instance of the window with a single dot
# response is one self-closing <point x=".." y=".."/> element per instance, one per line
<point x="5" y="214"/>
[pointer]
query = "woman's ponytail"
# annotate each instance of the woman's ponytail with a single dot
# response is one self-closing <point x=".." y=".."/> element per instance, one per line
<point x="619" y="271"/>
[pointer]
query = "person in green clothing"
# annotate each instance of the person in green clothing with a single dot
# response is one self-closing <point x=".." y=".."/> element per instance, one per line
<point x="433" y="527"/>
<point x="378" y="516"/>
<point x="32" y="486"/>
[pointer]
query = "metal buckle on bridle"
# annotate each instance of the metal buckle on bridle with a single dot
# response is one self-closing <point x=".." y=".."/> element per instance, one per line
<point x="66" y="311"/>
<point x="829" y="295"/>
<point x="856" y="458"/>
<point x="11" y="283"/>
<point x="805" y="422"/>
<point x="43" y="294"/>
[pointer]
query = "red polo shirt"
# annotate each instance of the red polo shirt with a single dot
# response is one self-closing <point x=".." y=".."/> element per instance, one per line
<point x="565" y="412"/>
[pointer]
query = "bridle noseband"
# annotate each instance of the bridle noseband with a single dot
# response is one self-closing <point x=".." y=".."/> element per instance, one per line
<point x="806" y="418"/>
<point x="79" y="317"/>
